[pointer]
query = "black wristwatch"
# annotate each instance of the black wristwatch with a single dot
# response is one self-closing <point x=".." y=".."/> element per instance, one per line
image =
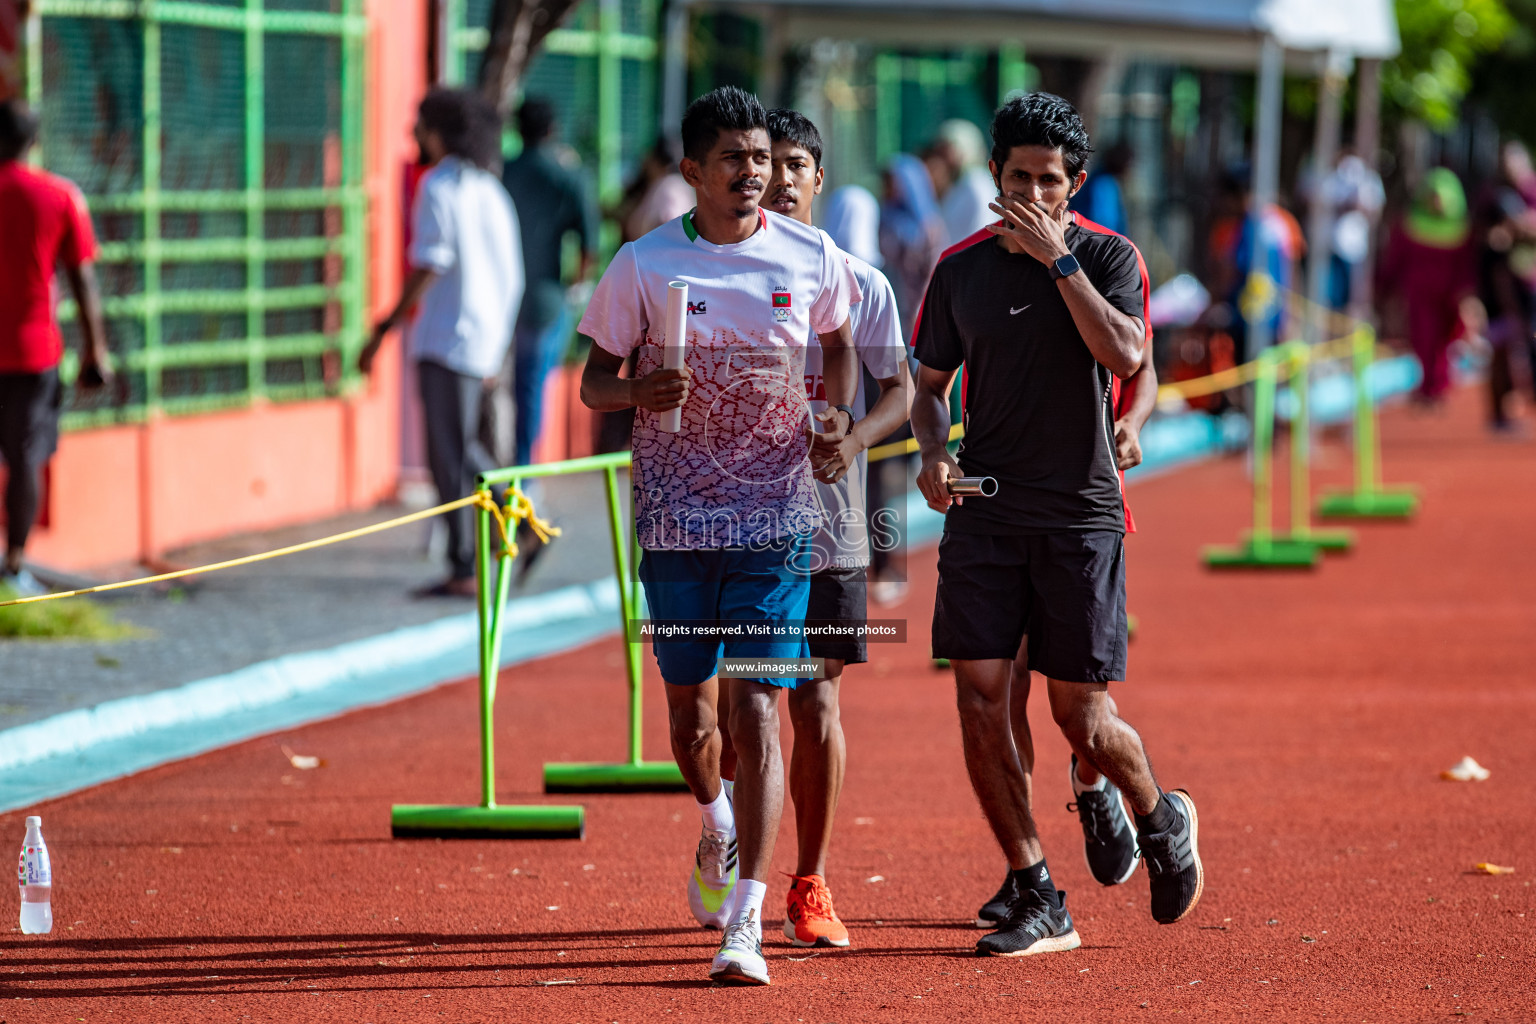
<point x="1065" y="267"/>
<point x="849" y="410"/>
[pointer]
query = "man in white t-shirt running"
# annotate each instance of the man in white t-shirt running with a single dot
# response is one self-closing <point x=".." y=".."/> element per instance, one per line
<point x="838" y="580"/>
<point x="725" y="508"/>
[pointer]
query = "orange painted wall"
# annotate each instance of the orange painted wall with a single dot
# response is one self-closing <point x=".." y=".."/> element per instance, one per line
<point x="128" y="494"/>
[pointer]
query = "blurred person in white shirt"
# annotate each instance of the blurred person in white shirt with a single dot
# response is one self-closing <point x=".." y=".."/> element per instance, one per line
<point x="467" y="278"/>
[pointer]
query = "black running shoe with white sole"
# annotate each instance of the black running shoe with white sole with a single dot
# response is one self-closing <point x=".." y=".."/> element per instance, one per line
<point x="995" y="910"/>
<point x="1109" y="839"/>
<point x="1034" y="925"/>
<point x="1173" y="862"/>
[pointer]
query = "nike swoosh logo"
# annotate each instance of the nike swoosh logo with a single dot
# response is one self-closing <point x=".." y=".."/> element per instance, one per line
<point x="1016" y="312"/>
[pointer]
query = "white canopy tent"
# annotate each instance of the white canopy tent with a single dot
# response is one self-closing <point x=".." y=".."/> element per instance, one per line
<point x="1208" y="33"/>
<point x="1320" y="36"/>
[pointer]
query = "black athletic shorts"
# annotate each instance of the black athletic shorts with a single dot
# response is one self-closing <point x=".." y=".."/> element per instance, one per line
<point x="29" y="418"/>
<point x="839" y="597"/>
<point x="1066" y="590"/>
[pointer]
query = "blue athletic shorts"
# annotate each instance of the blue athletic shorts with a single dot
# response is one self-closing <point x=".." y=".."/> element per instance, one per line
<point x="731" y="586"/>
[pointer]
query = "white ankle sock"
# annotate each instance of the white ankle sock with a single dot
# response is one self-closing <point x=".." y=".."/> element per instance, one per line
<point x="729" y="785"/>
<point x="717" y="813"/>
<point x="749" y="896"/>
<point x="1079" y="786"/>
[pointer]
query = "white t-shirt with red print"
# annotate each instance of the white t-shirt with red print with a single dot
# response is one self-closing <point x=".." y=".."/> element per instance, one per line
<point x="737" y="472"/>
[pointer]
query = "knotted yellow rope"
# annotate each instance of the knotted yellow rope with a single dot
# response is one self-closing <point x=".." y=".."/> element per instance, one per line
<point x="518" y="510"/>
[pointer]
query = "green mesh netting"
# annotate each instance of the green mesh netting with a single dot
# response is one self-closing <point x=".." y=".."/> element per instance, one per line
<point x="202" y="95"/>
<point x="92" y="106"/>
<point x="180" y="325"/>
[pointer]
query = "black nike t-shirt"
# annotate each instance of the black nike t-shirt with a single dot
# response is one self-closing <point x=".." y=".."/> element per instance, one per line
<point x="1039" y="414"/>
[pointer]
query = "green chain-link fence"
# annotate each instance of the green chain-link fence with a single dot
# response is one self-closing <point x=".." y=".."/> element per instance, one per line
<point x="219" y="145"/>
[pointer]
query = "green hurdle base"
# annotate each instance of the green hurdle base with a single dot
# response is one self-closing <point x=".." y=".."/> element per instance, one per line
<point x="1331" y="541"/>
<point x="624" y="777"/>
<point x="441" y="821"/>
<point x="1368" y="505"/>
<point x="1276" y="553"/>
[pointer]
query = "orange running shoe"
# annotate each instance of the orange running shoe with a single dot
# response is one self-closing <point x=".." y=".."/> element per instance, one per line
<point x="810" y="919"/>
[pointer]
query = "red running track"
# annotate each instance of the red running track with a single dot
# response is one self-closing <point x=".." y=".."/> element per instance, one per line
<point x="1309" y="714"/>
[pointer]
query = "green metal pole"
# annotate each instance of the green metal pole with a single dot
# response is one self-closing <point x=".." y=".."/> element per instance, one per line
<point x="255" y="214"/>
<point x="887" y="106"/>
<point x="610" y="72"/>
<point x="32" y="50"/>
<point x="1263" y="449"/>
<point x="633" y="582"/>
<point x="626" y="611"/>
<point x="1011" y="70"/>
<point x="454" y="72"/>
<point x="151" y="142"/>
<point x="484" y="590"/>
<point x="502" y="563"/>
<point x="1301" y="442"/>
<point x="354" y="207"/>
<point x="1367" y="478"/>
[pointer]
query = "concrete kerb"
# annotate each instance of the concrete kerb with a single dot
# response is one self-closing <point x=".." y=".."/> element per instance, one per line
<point x="70" y="751"/>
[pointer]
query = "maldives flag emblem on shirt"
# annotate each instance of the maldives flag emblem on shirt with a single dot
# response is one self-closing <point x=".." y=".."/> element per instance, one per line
<point x="781" y="307"/>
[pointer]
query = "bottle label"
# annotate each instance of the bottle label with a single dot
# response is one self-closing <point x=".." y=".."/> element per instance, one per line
<point x="33" y="867"/>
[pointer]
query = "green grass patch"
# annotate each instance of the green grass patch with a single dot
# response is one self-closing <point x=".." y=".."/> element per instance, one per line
<point x="74" y="618"/>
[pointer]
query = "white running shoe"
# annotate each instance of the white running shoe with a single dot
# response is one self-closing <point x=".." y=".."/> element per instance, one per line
<point x="23" y="583"/>
<point x="740" y="960"/>
<point x="713" y="881"/>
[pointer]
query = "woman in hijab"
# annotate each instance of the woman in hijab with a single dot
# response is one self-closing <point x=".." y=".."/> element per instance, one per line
<point x="911" y="234"/>
<point x="852" y="217"/>
<point x="1429" y="262"/>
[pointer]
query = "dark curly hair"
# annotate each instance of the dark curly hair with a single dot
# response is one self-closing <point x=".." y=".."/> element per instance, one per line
<point x="18" y="129"/>
<point x="535" y="120"/>
<point x="793" y="126"/>
<point x="726" y="109"/>
<point x="467" y="124"/>
<point x="1041" y="119"/>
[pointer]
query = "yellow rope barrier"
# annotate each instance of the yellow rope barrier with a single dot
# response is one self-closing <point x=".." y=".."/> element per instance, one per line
<point x="1211" y="384"/>
<point x="907" y="447"/>
<point x="519" y="510"/>
<point x="1237" y="376"/>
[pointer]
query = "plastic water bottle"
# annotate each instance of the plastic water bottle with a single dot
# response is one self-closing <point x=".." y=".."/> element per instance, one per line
<point x="34" y="875"/>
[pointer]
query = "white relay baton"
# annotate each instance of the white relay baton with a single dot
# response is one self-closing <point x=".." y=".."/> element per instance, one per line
<point x="674" y="341"/>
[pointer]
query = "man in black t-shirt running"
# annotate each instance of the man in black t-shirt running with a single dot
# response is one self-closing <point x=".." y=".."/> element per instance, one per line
<point x="1042" y="319"/>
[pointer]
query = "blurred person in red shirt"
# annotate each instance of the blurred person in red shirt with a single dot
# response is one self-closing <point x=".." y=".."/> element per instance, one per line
<point x="44" y="227"/>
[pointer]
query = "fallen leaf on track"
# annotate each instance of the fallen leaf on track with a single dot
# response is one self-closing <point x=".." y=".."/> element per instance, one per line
<point x="1484" y="868"/>
<point x="1466" y="770"/>
<point x="302" y="761"/>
